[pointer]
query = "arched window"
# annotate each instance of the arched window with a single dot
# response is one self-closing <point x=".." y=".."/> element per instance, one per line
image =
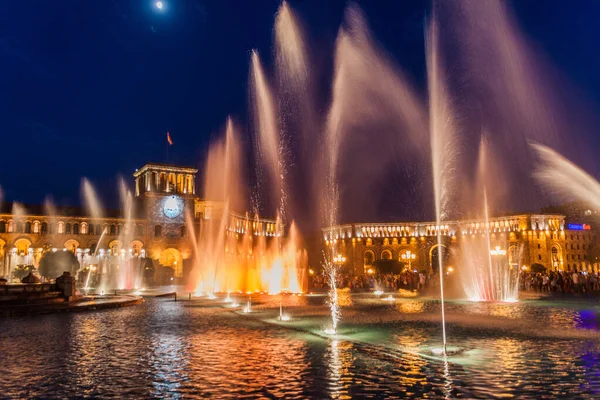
<point x="36" y="226"/>
<point x="369" y="256"/>
<point x="90" y="229"/>
<point x="98" y="229"/>
<point x="67" y="228"/>
<point x="76" y="229"/>
<point x="44" y="227"/>
<point x="386" y="255"/>
<point x="113" y="230"/>
<point x="157" y="231"/>
<point x="2" y="226"/>
<point x="27" y="227"/>
<point x="11" y="226"/>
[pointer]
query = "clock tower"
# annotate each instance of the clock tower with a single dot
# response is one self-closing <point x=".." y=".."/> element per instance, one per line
<point x="165" y="194"/>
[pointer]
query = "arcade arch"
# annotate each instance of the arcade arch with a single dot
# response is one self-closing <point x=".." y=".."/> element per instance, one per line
<point x="172" y="258"/>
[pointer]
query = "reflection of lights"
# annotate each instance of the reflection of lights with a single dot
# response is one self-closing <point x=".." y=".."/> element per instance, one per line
<point x="330" y="331"/>
<point x="378" y="292"/>
<point x="285" y="317"/>
<point x="389" y="298"/>
<point x="437" y="351"/>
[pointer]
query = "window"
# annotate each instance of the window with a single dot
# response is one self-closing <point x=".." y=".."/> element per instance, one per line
<point x="539" y="257"/>
<point x="76" y="229"/>
<point x="91" y="229"/>
<point x="50" y="228"/>
<point x="36" y="227"/>
<point x="119" y="229"/>
<point x="157" y="231"/>
<point x="368" y="258"/>
<point x="113" y="230"/>
<point x="44" y="227"/>
<point x="539" y="246"/>
<point x="2" y="226"/>
<point x="67" y="228"/>
<point x="27" y="227"/>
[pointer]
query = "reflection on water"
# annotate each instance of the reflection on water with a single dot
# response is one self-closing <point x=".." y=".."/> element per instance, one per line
<point x="164" y="349"/>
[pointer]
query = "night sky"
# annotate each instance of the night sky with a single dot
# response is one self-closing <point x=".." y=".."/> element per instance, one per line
<point x="90" y="88"/>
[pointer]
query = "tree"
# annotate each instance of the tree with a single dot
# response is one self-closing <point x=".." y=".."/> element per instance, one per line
<point x="53" y="264"/>
<point x="388" y="266"/>
<point x="536" y="267"/>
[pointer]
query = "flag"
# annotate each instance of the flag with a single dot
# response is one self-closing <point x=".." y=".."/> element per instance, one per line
<point x="169" y="139"/>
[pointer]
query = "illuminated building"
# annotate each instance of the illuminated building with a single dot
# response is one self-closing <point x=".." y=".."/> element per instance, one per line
<point x="156" y="227"/>
<point x="527" y="239"/>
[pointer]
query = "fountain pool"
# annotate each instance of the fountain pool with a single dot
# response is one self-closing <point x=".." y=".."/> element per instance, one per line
<point x="204" y="348"/>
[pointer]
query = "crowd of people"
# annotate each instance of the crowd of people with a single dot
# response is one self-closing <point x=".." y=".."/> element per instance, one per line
<point x="569" y="282"/>
<point x="561" y="282"/>
<point x="406" y="280"/>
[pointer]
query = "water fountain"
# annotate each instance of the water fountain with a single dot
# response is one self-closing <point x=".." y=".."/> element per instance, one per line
<point x="443" y="146"/>
<point x="565" y="179"/>
<point x="487" y="270"/>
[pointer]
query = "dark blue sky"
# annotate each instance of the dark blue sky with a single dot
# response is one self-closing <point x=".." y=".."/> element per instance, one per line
<point x="89" y="88"/>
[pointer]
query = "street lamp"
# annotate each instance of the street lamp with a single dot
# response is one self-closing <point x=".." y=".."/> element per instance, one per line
<point x="408" y="256"/>
<point x="339" y="259"/>
<point x="498" y="251"/>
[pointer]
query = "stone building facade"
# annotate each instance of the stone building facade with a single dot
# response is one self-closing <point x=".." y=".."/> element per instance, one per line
<point x="155" y="224"/>
<point x="527" y="239"/>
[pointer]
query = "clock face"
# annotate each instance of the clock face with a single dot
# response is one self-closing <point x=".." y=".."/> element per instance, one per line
<point x="172" y="207"/>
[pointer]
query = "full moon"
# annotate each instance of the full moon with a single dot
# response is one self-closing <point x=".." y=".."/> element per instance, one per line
<point x="159" y="5"/>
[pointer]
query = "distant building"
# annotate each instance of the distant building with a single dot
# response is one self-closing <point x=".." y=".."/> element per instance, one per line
<point x="528" y="239"/>
<point x="153" y="227"/>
